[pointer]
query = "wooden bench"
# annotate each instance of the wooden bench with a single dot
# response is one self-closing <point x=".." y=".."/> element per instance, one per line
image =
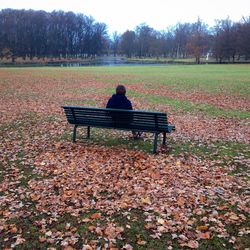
<point x="131" y="120"/>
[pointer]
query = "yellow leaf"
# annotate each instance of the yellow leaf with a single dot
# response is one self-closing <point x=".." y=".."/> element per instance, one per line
<point x="160" y="221"/>
<point x="234" y="217"/>
<point x="202" y="228"/>
<point x="146" y="200"/>
<point x="178" y="162"/>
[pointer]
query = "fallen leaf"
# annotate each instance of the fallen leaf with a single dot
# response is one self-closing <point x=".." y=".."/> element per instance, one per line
<point x="193" y="244"/>
<point x="160" y="221"/>
<point x="13" y="230"/>
<point x="146" y="200"/>
<point x="86" y="220"/>
<point x="42" y="239"/>
<point x="204" y="236"/>
<point x="91" y="228"/>
<point x="202" y="228"/>
<point x="127" y="247"/>
<point x="141" y="242"/>
<point x="180" y="201"/>
<point x="96" y="216"/>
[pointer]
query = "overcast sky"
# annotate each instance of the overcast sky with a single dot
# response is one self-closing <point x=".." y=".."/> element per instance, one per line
<point x="121" y="15"/>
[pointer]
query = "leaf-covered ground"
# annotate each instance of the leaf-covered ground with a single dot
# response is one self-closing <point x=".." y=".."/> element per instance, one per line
<point x="110" y="192"/>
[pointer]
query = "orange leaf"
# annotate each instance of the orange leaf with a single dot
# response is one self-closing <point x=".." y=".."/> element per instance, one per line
<point x="13" y="230"/>
<point x="181" y="201"/>
<point x="202" y="198"/>
<point x="141" y="242"/>
<point x="204" y="236"/>
<point x="96" y="216"/>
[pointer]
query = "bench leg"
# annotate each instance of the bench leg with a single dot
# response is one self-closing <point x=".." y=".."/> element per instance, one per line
<point x="155" y="143"/>
<point x="74" y="133"/>
<point x="88" y="132"/>
<point x="164" y="138"/>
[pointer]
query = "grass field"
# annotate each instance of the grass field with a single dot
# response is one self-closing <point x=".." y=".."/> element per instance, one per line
<point x="110" y="192"/>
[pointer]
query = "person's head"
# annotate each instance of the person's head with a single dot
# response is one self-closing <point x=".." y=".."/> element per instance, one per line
<point x="120" y="90"/>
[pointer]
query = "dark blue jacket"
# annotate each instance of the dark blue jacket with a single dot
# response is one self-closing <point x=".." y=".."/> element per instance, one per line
<point x="119" y="102"/>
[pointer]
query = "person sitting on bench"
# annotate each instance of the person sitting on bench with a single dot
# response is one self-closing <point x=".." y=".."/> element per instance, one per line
<point x="120" y="101"/>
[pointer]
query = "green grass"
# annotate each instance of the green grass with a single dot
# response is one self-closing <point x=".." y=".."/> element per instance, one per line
<point x="229" y="79"/>
<point x="207" y="109"/>
<point x="187" y="106"/>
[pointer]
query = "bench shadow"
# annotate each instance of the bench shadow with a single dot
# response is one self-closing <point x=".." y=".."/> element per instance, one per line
<point x="116" y="138"/>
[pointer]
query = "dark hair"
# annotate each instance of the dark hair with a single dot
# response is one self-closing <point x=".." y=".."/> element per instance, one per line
<point x="120" y="90"/>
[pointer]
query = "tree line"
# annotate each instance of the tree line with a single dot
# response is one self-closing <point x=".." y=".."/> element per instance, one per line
<point x="227" y="40"/>
<point x="59" y="34"/>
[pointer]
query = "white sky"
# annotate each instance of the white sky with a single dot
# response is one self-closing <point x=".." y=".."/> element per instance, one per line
<point x="121" y="15"/>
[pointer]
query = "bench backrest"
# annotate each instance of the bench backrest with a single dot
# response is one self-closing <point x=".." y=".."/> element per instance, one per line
<point x="117" y="118"/>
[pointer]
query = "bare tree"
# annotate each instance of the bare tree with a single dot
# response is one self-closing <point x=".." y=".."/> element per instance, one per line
<point x="243" y="38"/>
<point x="197" y="42"/>
<point x="115" y="43"/>
<point x="144" y="35"/>
<point x="127" y="44"/>
<point x="182" y="33"/>
<point x="225" y="40"/>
